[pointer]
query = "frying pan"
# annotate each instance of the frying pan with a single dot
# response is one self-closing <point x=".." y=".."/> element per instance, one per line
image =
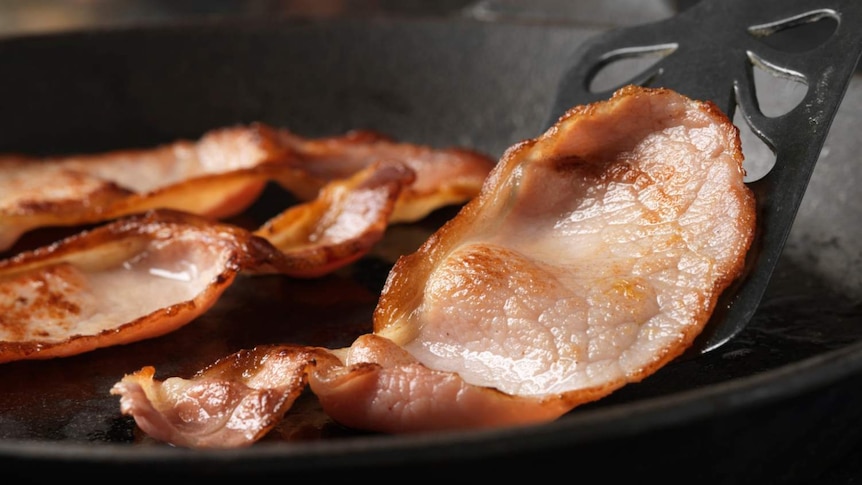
<point x="781" y="402"/>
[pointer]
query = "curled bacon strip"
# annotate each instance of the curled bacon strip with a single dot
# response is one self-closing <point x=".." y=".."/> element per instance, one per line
<point x="235" y="401"/>
<point x="443" y="176"/>
<point x="593" y="256"/>
<point x="146" y="275"/>
<point x="342" y="224"/>
<point x="217" y="176"/>
<point x="231" y="403"/>
<point x="137" y="278"/>
<point x="220" y="175"/>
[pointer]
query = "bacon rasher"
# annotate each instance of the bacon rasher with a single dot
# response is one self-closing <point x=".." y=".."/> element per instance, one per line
<point x="448" y="176"/>
<point x="592" y="257"/>
<point x="342" y="224"/>
<point x="143" y="276"/>
<point x="220" y="175"/>
<point x="217" y="176"/>
<point x="136" y="278"/>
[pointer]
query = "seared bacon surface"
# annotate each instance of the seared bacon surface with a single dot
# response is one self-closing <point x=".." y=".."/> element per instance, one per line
<point x="146" y="275"/>
<point x="593" y="256"/>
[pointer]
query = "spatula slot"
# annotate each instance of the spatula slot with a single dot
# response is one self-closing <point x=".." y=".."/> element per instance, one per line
<point x="779" y="90"/>
<point x="632" y="65"/>
<point x="759" y="157"/>
<point x="798" y="33"/>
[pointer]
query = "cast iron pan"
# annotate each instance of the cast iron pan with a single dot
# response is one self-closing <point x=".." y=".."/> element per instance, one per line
<point x="781" y="401"/>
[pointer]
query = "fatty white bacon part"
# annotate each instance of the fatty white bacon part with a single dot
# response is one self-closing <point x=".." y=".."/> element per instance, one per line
<point x="592" y="257"/>
<point x="143" y="276"/>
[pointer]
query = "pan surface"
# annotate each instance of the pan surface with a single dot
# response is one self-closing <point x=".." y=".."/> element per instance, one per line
<point x="781" y="402"/>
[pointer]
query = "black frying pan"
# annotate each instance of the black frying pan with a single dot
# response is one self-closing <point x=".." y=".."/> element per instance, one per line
<point x="779" y="402"/>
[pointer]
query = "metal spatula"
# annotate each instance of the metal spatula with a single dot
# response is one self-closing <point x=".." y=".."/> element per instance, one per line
<point x="710" y="52"/>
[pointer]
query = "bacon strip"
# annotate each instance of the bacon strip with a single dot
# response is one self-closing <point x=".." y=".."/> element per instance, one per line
<point x="219" y="176"/>
<point x="137" y="278"/>
<point x="146" y="275"/>
<point x="340" y="226"/>
<point x="232" y="403"/>
<point x="235" y="401"/>
<point x="443" y="176"/>
<point x="593" y="256"/>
